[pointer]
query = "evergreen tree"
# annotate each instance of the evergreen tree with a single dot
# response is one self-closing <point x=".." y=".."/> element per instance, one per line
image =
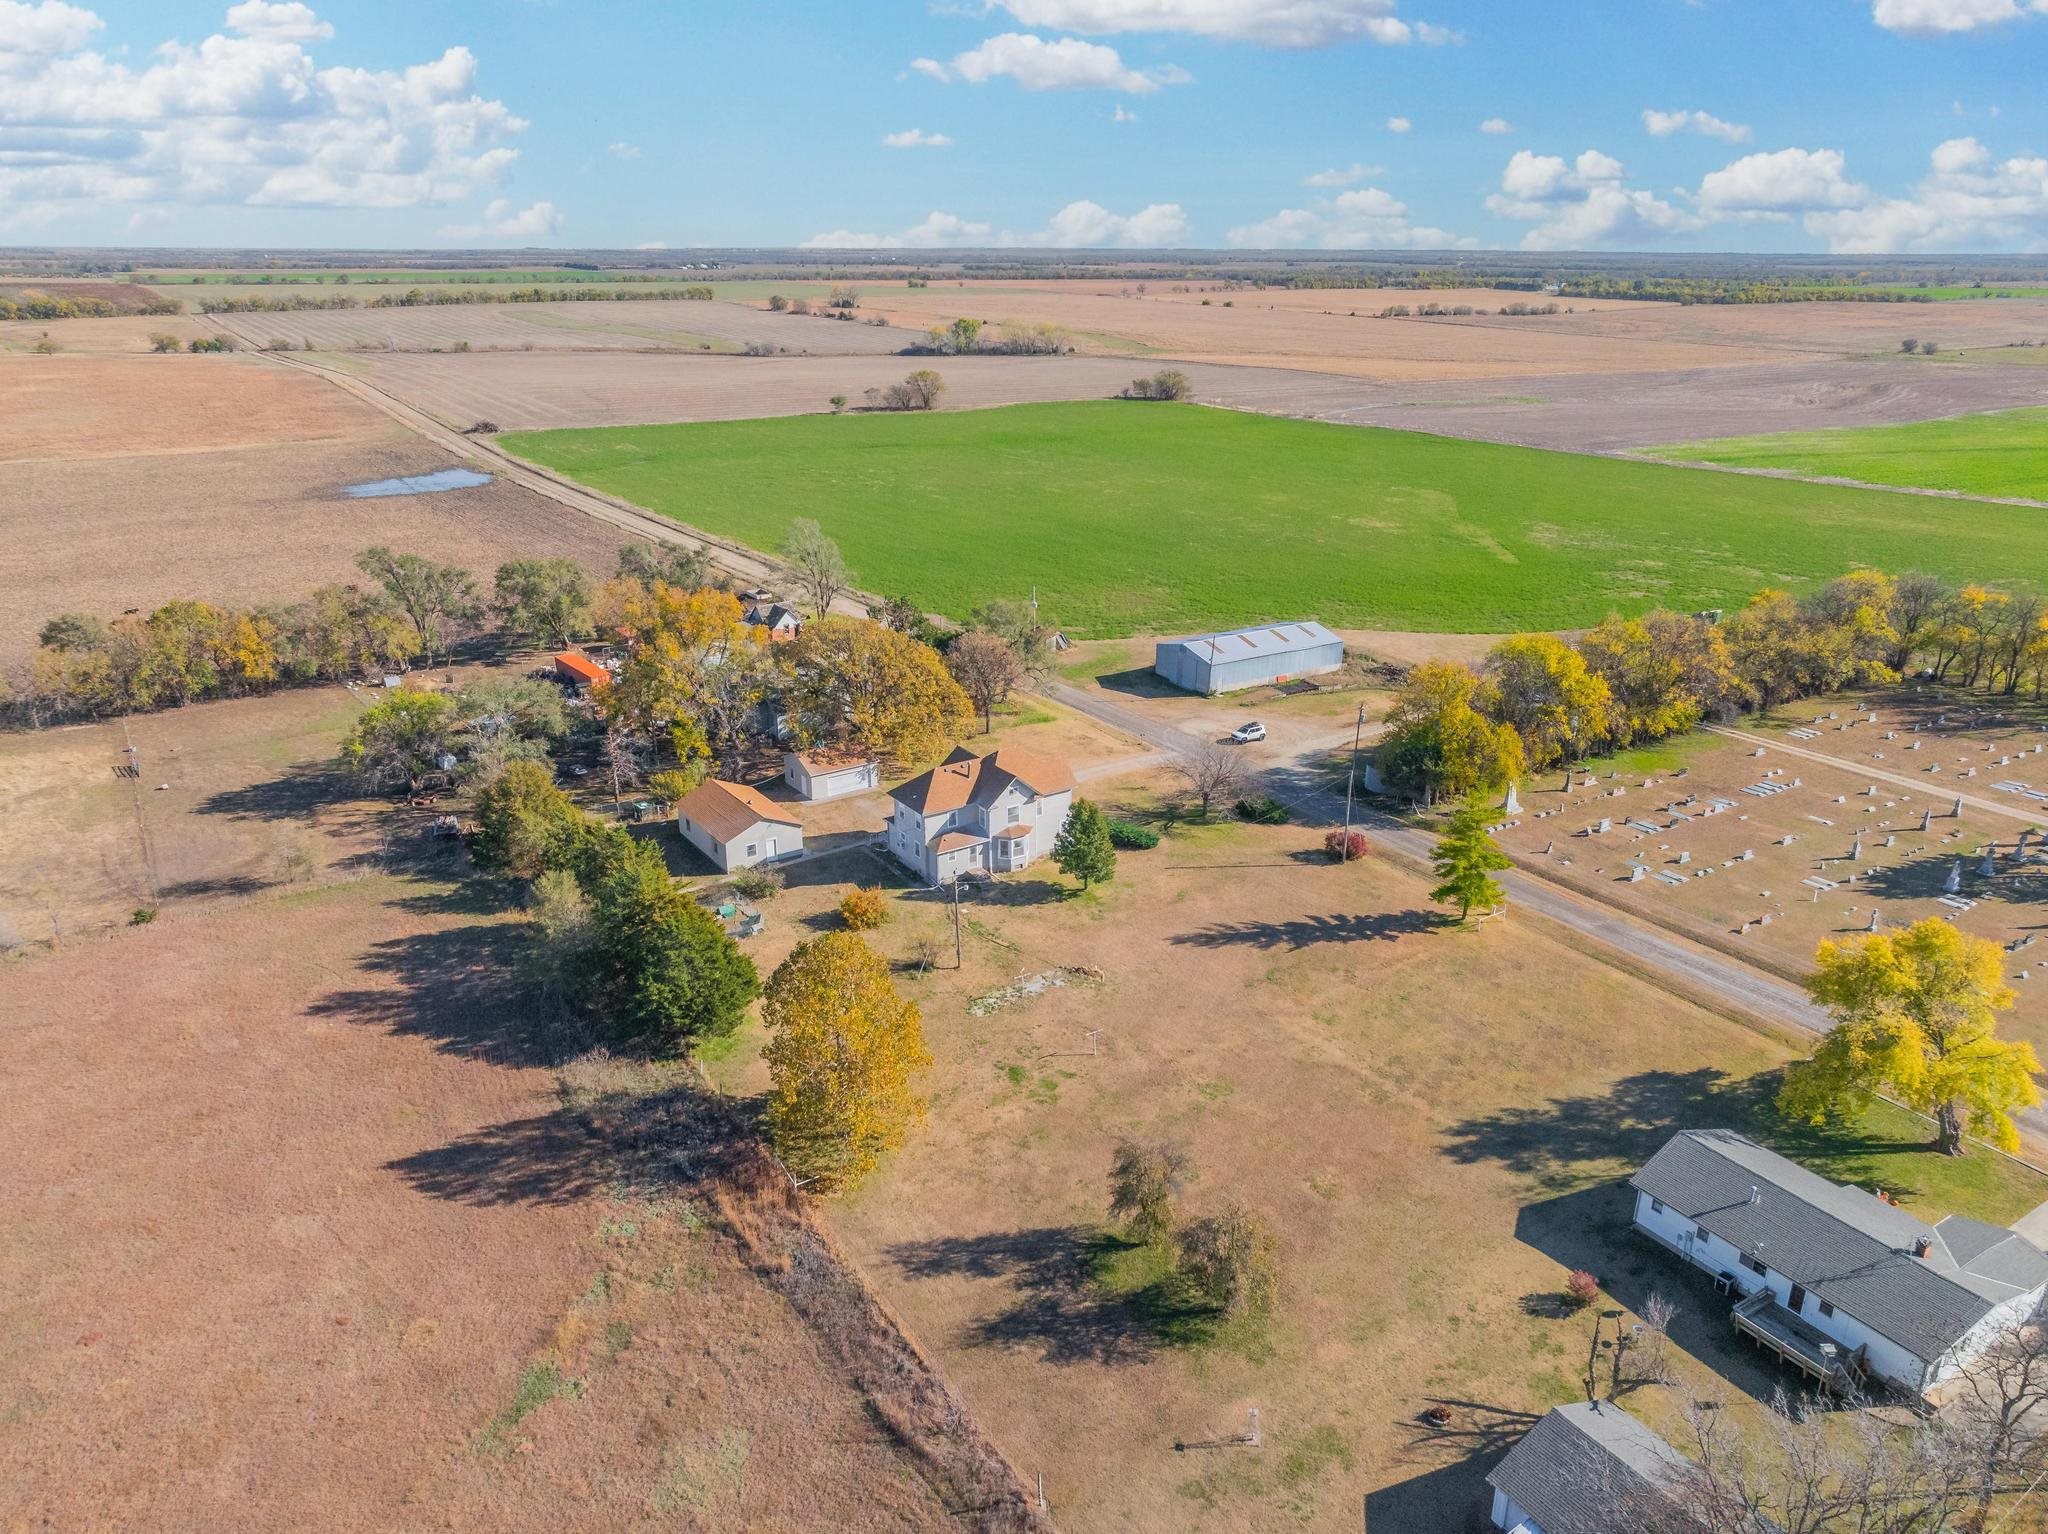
<point x="1083" y="847"/>
<point x="1464" y="858"/>
<point x="669" y="973"/>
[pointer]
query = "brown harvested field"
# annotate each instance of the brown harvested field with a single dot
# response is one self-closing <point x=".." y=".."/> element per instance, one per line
<point x="1617" y="412"/>
<point x="222" y="478"/>
<point x="629" y="325"/>
<point x="1588" y="412"/>
<point x="1334" y="332"/>
<point x="1427" y="1116"/>
<point x="1712" y="894"/>
<point x="121" y="335"/>
<point x="75" y="407"/>
<point x="522" y="392"/>
<point x="231" y="798"/>
<point x="300" y="1236"/>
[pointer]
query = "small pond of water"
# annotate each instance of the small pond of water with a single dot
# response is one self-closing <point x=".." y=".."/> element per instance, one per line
<point x="420" y="484"/>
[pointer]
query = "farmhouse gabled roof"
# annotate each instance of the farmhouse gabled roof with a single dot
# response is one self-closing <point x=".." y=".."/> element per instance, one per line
<point x="1263" y="639"/>
<point x="1848" y="1247"/>
<point x="727" y="809"/>
<point x="964" y="778"/>
<point x="1590" y="1468"/>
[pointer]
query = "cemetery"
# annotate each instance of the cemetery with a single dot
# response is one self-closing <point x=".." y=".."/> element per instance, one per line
<point x="1836" y="818"/>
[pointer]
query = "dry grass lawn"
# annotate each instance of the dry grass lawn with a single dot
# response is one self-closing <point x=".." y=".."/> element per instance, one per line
<point x="1430" y="1118"/>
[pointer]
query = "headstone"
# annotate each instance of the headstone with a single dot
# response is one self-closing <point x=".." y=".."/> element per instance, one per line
<point x="1547" y="847"/>
<point x="1927" y="820"/>
<point x="1873" y="920"/>
<point x="1954" y="882"/>
<point x="1956" y="813"/>
<point x="1604" y="827"/>
<point x="1748" y="855"/>
<point x="1637" y="874"/>
<point x="1513" y="805"/>
<point x="1374" y="783"/>
<point x="1989" y="867"/>
<point x="1684" y="858"/>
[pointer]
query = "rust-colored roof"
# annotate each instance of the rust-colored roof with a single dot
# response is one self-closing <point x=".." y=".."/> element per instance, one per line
<point x="581" y="666"/>
<point x="953" y="841"/>
<point x="728" y="810"/>
<point x="964" y="778"/>
<point x="1011" y="833"/>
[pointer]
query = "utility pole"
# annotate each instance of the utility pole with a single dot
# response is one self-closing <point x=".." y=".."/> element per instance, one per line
<point x="1350" y="781"/>
<point x="957" y="961"/>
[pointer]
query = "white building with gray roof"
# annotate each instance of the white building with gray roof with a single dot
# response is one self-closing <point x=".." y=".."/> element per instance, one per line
<point x="1846" y="1286"/>
<point x="1251" y="657"/>
<point x="1588" y="1468"/>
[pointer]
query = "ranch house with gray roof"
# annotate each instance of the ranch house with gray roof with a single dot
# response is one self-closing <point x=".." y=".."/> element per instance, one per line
<point x="1842" y="1284"/>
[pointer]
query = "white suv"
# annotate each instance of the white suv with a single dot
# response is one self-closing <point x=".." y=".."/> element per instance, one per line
<point x="1245" y="734"/>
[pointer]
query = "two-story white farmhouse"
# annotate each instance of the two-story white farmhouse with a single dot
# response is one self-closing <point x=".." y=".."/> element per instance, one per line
<point x="973" y="813"/>
<point x="1835" y="1280"/>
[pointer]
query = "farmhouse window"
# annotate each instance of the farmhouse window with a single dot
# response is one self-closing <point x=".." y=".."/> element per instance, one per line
<point x="1015" y="814"/>
<point x="1656" y="1206"/>
<point x="1700" y="1235"/>
<point x="1826" y="1309"/>
<point x="1753" y="1265"/>
<point x="750" y="849"/>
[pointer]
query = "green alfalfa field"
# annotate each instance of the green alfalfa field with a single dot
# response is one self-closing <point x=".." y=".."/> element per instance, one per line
<point x="1136" y="517"/>
<point x="1998" y="452"/>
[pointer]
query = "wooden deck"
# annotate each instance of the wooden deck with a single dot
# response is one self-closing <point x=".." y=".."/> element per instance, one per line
<point x="1774" y="1328"/>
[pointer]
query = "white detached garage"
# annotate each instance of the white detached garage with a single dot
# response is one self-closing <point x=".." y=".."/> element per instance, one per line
<point x="736" y="826"/>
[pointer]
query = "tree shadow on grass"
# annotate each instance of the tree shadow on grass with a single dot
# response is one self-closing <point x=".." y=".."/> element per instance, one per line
<point x="551" y="1158"/>
<point x="469" y="989"/>
<point x="1570" y="1141"/>
<point x="1307" y="931"/>
<point x="294" y="796"/>
<point x="1080" y="1295"/>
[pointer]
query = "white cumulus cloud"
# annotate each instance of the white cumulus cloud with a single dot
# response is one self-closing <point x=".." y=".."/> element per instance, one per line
<point x="290" y="22"/>
<point x="245" y="117"/>
<point x="1066" y="63"/>
<point x="1077" y="225"/>
<point x="502" y="221"/>
<point x="1398" y="125"/>
<point x="1496" y="125"/>
<point x="916" y="138"/>
<point x="1583" y="204"/>
<point x="1934" y="18"/>
<point x="1967" y="201"/>
<point x="619" y="149"/>
<point x="1346" y="175"/>
<point x="1123" y="114"/>
<point x="1276" y="23"/>
<point x="1782" y="181"/>
<point x="1366" y="218"/>
<point x="1664" y="124"/>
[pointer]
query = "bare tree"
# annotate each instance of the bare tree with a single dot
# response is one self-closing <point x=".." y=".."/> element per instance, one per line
<point x="624" y="755"/>
<point x="2000" y="1411"/>
<point x="986" y="668"/>
<point x="815" y="558"/>
<point x="1214" y="772"/>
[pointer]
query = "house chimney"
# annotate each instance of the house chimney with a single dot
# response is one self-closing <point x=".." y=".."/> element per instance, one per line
<point x="1921" y="1245"/>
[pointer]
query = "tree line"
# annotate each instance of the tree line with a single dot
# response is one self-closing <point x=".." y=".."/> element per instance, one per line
<point x="1539" y="701"/>
<point x="413" y="298"/>
<point x="31" y="304"/>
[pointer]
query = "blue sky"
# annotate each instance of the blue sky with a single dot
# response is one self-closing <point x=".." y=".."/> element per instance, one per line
<point x="1847" y="125"/>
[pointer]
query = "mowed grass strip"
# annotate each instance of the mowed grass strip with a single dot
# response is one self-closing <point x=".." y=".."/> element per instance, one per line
<point x="2002" y="452"/>
<point x="1150" y="518"/>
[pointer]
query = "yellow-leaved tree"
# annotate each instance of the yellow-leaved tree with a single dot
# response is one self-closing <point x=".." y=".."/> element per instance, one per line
<point x="842" y="1049"/>
<point x="849" y="679"/>
<point x="1916" y="1015"/>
